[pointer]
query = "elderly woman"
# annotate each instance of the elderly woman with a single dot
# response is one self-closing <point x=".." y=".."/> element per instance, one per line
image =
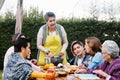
<point x="110" y="69"/>
<point x="51" y="40"/>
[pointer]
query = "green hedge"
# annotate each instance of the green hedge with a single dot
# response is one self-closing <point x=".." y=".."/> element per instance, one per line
<point x="77" y="29"/>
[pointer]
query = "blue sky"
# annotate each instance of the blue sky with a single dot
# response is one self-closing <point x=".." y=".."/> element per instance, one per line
<point x="62" y="8"/>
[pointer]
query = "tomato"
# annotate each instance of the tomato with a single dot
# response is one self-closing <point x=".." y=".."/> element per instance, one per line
<point x="50" y="74"/>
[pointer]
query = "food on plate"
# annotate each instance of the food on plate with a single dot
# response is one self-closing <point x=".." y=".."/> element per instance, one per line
<point x="47" y="66"/>
<point x="61" y="72"/>
<point x="71" y="68"/>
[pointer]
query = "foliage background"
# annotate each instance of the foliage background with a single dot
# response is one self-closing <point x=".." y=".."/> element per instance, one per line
<point x="77" y="29"/>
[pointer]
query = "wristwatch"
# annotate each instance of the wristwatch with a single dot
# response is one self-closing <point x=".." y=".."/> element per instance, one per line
<point x="47" y="52"/>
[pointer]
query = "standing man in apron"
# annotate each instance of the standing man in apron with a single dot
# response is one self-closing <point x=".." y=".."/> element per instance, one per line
<point x="51" y="40"/>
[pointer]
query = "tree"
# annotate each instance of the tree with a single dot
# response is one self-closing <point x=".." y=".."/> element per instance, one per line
<point x="111" y="12"/>
<point x="19" y="17"/>
<point x="1" y="3"/>
<point x="93" y="10"/>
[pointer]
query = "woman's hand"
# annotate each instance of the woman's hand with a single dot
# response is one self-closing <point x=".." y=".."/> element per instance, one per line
<point x="50" y="55"/>
<point x="34" y="61"/>
<point x="81" y="66"/>
<point x="100" y="72"/>
<point x="80" y="71"/>
<point x="61" y="54"/>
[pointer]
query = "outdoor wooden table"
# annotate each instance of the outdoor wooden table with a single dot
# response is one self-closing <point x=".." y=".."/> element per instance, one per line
<point x="64" y="78"/>
<point x="59" y="78"/>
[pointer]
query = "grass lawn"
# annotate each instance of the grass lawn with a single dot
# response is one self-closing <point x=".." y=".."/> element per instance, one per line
<point x="0" y="74"/>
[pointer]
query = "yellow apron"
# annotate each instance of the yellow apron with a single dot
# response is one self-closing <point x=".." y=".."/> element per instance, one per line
<point x="53" y="44"/>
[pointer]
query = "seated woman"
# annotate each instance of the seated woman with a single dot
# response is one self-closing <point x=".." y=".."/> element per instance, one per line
<point x="92" y="48"/>
<point x="17" y="67"/>
<point x="110" y="69"/>
<point x="10" y="51"/>
<point x="77" y="48"/>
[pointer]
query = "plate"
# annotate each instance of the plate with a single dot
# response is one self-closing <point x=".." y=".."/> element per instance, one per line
<point x="61" y="72"/>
